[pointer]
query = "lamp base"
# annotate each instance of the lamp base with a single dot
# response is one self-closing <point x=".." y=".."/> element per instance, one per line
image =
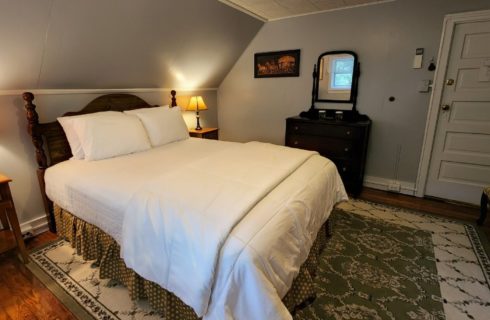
<point x="198" y="125"/>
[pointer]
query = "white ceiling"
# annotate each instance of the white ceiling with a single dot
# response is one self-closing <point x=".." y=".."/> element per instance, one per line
<point x="279" y="9"/>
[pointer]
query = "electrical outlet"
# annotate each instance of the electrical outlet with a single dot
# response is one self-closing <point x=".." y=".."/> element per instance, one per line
<point x="394" y="186"/>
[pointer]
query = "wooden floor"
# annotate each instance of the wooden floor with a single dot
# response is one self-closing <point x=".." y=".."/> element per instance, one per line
<point x="22" y="296"/>
<point x="434" y="206"/>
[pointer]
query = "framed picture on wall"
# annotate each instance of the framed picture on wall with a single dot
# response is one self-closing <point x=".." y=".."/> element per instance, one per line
<point x="277" y="64"/>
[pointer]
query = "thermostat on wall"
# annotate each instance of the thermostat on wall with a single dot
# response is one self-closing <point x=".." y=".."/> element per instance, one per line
<point x="417" y="60"/>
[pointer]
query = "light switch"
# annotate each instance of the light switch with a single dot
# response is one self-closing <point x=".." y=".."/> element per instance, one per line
<point x="417" y="60"/>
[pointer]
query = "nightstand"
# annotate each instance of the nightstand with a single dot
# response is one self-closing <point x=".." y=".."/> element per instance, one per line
<point x="205" y="133"/>
<point x="10" y="235"/>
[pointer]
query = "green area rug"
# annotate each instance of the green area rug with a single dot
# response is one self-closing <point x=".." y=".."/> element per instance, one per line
<point x="373" y="269"/>
<point x="381" y="263"/>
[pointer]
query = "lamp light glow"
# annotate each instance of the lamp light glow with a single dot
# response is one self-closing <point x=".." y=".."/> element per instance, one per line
<point x="197" y="104"/>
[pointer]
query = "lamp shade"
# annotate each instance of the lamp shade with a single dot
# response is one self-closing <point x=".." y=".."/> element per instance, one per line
<point x="196" y="104"/>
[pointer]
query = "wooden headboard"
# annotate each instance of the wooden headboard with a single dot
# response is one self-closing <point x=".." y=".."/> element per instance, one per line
<point x="50" y="141"/>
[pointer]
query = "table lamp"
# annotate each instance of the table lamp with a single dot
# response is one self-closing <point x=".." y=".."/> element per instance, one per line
<point x="197" y="104"/>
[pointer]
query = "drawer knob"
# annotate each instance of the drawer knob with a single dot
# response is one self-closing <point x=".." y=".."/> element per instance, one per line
<point x="348" y="133"/>
<point x="295" y="143"/>
<point x="296" y="128"/>
<point x="346" y="149"/>
<point x="344" y="169"/>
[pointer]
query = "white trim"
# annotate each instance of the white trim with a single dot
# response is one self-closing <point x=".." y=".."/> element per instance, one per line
<point x="19" y="92"/>
<point x="407" y="188"/>
<point x="244" y="10"/>
<point x="35" y="226"/>
<point x="450" y="21"/>
<point x="264" y="19"/>
<point x="331" y="10"/>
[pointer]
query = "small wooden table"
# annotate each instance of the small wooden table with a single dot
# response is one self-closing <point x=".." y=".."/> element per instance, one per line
<point x="10" y="235"/>
<point x="204" y="133"/>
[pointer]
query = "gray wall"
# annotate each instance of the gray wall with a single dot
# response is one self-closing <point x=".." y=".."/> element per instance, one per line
<point x="106" y="44"/>
<point x="385" y="37"/>
<point x="119" y="43"/>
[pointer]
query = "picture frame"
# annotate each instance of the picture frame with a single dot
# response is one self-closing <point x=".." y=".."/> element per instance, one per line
<point x="277" y="64"/>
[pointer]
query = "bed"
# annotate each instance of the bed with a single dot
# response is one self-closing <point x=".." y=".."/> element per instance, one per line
<point x="247" y="221"/>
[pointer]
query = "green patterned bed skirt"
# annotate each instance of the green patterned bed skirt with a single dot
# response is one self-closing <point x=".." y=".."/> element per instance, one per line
<point x="93" y="244"/>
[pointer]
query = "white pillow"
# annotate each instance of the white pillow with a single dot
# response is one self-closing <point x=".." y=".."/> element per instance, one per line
<point x="72" y="137"/>
<point x="163" y="125"/>
<point x="111" y="136"/>
<point x="136" y="111"/>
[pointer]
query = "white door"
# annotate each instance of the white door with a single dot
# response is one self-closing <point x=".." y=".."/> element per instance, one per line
<point x="460" y="162"/>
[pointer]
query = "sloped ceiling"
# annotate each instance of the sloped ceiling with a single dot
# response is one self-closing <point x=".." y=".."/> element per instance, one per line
<point x="61" y="44"/>
<point x="279" y="9"/>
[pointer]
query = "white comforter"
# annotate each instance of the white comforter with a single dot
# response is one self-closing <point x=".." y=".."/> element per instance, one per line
<point x="186" y="215"/>
<point x="260" y="256"/>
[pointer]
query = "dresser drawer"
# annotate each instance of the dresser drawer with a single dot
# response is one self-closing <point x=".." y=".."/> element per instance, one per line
<point x="348" y="170"/>
<point x="326" y="146"/>
<point x="345" y="143"/>
<point x="317" y="129"/>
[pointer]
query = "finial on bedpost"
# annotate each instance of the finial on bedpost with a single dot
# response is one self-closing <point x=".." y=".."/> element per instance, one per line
<point x="174" y="101"/>
<point x="28" y="97"/>
<point x="32" y="129"/>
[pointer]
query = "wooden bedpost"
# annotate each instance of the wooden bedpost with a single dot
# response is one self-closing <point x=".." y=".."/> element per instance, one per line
<point x="174" y="101"/>
<point x="33" y="128"/>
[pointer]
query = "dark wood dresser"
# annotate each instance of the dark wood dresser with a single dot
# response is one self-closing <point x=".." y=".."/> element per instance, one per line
<point x="345" y="143"/>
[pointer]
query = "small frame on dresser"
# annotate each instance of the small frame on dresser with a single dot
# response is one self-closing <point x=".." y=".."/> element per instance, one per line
<point x="277" y="64"/>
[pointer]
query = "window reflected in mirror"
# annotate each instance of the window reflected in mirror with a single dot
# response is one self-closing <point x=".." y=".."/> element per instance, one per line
<point x="335" y="75"/>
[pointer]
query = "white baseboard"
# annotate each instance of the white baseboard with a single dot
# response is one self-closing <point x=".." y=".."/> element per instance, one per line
<point x="35" y="226"/>
<point x="383" y="183"/>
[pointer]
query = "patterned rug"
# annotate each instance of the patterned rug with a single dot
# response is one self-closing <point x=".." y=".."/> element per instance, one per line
<point x="381" y="263"/>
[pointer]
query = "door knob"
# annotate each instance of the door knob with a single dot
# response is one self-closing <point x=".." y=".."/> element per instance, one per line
<point x="449" y="82"/>
<point x="445" y="107"/>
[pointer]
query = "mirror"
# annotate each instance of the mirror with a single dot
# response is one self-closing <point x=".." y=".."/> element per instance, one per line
<point x="336" y="77"/>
